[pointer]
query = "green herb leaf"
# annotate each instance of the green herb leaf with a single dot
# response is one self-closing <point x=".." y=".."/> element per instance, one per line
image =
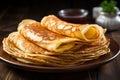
<point x="109" y="6"/>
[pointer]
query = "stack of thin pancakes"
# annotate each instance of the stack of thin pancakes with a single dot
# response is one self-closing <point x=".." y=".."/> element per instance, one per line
<point x="53" y="42"/>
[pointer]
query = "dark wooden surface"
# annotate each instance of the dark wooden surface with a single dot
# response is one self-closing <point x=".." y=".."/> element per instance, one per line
<point x="12" y="14"/>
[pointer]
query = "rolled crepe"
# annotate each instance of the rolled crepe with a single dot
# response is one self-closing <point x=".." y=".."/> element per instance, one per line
<point x="85" y="32"/>
<point x="44" y="38"/>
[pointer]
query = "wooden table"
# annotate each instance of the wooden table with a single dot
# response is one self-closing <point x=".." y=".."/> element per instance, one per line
<point x="10" y="16"/>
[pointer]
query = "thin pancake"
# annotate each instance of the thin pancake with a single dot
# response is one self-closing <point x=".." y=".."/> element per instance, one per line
<point x="35" y="44"/>
<point x="45" y="38"/>
<point x="26" y="45"/>
<point x="14" y="46"/>
<point x="85" y="32"/>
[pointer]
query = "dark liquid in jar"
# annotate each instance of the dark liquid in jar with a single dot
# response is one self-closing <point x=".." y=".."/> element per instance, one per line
<point x="74" y="17"/>
<point x="73" y="13"/>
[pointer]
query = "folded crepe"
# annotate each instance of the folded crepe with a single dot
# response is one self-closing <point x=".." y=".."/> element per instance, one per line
<point x="35" y="43"/>
<point x="44" y="38"/>
<point x="25" y="45"/>
<point x="26" y="51"/>
<point x="85" y="32"/>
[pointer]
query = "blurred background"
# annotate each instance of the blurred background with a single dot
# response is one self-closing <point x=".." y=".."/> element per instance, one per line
<point x="45" y="7"/>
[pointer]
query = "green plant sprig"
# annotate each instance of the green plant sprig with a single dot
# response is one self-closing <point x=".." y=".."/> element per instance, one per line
<point x="109" y="6"/>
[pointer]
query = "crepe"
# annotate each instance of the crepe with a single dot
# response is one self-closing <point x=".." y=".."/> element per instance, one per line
<point x="26" y="51"/>
<point x="35" y="43"/>
<point x="25" y="45"/>
<point x="85" y="32"/>
<point x="44" y="38"/>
